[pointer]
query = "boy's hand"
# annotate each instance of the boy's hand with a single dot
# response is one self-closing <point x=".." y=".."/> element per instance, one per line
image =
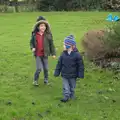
<point x="33" y="50"/>
<point x="54" y="56"/>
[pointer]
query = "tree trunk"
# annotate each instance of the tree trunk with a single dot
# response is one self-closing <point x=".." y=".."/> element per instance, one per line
<point x="16" y="5"/>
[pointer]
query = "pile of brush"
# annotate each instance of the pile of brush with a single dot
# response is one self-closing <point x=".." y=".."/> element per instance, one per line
<point x="102" y="47"/>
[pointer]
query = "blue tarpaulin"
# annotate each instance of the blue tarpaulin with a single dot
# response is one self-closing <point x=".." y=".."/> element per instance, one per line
<point x="111" y="18"/>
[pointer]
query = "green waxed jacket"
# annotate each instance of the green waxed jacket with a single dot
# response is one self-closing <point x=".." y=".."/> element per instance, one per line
<point x="49" y="48"/>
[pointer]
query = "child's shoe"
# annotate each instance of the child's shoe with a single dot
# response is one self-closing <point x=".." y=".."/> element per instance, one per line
<point x="65" y="99"/>
<point x="72" y="97"/>
<point x="46" y="81"/>
<point x="35" y="83"/>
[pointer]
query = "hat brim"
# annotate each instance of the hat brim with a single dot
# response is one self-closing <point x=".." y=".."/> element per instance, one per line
<point x="40" y="22"/>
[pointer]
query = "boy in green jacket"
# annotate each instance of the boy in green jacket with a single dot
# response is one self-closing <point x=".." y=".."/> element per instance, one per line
<point x="42" y="46"/>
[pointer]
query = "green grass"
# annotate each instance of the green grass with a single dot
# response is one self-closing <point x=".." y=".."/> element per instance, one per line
<point x="95" y="100"/>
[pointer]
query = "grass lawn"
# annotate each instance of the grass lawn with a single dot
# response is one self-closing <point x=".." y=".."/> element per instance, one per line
<point x="98" y="94"/>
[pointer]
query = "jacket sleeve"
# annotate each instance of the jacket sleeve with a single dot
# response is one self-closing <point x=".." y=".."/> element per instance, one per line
<point x="80" y="65"/>
<point x="58" y="67"/>
<point x="52" y="46"/>
<point x="32" y="43"/>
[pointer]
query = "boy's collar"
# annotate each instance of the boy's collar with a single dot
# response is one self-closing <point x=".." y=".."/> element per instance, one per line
<point x="67" y="51"/>
<point x="40" y="33"/>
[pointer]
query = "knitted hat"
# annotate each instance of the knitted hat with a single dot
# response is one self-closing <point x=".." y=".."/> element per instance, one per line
<point x="40" y="18"/>
<point x="69" y="41"/>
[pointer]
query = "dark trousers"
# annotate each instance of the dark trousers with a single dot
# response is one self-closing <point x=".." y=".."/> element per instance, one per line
<point x="41" y="64"/>
<point x="69" y="87"/>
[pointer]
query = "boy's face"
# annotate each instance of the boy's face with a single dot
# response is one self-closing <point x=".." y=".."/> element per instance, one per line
<point x="73" y="46"/>
<point x="42" y="27"/>
<point x="64" y="47"/>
